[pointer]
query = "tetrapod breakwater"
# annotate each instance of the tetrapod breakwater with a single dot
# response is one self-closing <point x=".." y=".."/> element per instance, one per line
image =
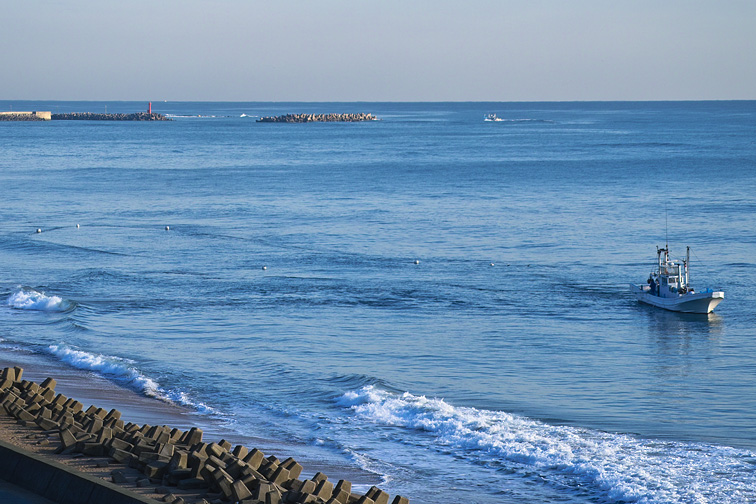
<point x="148" y="461"/>
<point x="92" y="116"/>
<point x="306" y="118"/>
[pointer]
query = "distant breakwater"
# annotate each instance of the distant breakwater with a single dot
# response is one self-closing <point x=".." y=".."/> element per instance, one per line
<point x="304" y="118"/>
<point x="91" y="116"/>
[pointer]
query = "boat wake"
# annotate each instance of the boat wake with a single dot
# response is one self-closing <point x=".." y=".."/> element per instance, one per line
<point x="495" y="118"/>
<point x="612" y="467"/>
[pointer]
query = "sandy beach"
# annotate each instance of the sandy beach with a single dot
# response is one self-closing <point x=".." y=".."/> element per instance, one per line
<point x="89" y="388"/>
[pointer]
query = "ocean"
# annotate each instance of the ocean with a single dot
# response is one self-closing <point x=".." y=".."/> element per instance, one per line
<point x="431" y="302"/>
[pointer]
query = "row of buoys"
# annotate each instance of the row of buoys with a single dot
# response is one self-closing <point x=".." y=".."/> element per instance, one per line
<point x="39" y="230"/>
<point x="168" y="228"/>
<point x="492" y="264"/>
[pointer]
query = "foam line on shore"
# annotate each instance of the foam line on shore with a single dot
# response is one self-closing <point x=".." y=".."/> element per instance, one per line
<point x="124" y="372"/>
<point x="614" y="466"/>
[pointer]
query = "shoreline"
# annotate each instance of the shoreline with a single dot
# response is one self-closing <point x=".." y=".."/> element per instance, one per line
<point x="92" y="388"/>
<point x="45" y="421"/>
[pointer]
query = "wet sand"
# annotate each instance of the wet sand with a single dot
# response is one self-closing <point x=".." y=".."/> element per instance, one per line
<point x="92" y="389"/>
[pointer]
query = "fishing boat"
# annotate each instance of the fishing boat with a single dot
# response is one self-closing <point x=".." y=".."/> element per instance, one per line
<point x="667" y="287"/>
<point x="492" y="117"/>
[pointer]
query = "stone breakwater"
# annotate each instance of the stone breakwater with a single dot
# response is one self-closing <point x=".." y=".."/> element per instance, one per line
<point x="178" y="462"/>
<point x="91" y="116"/>
<point x="304" y="118"/>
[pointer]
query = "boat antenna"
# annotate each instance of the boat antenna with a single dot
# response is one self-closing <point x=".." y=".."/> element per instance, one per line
<point x="666" y="228"/>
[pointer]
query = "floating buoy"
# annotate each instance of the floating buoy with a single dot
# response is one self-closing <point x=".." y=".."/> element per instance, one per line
<point x="264" y="268"/>
<point x="167" y="228"/>
<point x="39" y="230"/>
<point x="417" y="262"/>
<point x="492" y="264"/>
<point x="77" y="226"/>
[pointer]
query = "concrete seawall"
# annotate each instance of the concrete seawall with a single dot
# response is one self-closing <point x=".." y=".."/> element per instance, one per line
<point x="26" y="116"/>
<point x="59" y="483"/>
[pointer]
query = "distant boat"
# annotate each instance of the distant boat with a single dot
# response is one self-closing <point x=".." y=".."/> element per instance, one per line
<point x="492" y="117"/>
<point x="667" y="287"/>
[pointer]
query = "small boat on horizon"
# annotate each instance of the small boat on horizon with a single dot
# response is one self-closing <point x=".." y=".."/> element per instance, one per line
<point x="668" y="287"/>
<point x="492" y="117"/>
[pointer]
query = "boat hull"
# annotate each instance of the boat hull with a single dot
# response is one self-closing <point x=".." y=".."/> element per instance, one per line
<point x="700" y="302"/>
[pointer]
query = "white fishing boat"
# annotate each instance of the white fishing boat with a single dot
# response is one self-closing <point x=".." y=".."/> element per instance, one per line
<point x="492" y="117"/>
<point x="667" y="287"/>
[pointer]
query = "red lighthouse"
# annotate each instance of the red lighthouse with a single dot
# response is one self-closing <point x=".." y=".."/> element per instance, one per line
<point x="149" y="108"/>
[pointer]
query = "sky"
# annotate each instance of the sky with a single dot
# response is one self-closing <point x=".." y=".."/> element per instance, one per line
<point x="354" y="50"/>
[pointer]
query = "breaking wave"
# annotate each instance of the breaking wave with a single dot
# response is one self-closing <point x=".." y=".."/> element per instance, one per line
<point x="26" y="298"/>
<point x="615" y="467"/>
<point x="124" y="372"/>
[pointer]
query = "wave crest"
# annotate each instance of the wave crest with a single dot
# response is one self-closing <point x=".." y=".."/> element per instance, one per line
<point x="615" y="466"/>
<point x="26" y="298"/>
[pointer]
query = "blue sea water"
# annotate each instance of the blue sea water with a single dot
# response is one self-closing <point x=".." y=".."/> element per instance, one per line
<point x="436" y="303"/>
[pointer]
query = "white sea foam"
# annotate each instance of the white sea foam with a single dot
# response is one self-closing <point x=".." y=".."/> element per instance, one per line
<point x="124" y="372"/>
<point x="616" y="467"/>
<point x="25" y="298"/>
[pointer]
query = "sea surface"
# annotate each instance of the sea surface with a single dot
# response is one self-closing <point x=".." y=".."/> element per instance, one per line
<point x="434" y="303"/>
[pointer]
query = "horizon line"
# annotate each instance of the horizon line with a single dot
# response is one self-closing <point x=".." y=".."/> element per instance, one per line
<point x="655" y="100"/>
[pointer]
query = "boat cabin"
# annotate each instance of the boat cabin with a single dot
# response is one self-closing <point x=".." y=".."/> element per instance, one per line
<point x="671" y="277"/>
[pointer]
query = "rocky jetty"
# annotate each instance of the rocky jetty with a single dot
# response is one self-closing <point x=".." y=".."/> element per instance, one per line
<point x="91" y="116"/>
<point x="305" y="118"/>
<point x="167" y="459"/>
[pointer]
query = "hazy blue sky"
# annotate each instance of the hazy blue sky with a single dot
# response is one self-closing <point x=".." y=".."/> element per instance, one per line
<point x="334" y="50"/>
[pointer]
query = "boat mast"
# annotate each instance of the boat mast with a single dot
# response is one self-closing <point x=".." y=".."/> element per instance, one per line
<point x="666" y="238"/>
<point x="687" y="262"/>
